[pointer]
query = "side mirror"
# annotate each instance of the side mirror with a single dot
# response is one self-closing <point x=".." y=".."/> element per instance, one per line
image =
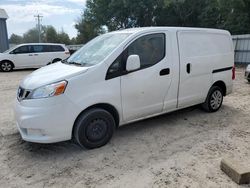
<point x="133" y="63"/>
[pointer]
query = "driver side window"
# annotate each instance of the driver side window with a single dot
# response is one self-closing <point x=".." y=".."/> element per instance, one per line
<point x="115" y="70"/>
<point x="21" y="50"/>
<point x="150" y="49"/>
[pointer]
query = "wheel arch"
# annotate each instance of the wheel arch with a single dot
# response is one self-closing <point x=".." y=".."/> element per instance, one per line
<point x="108" y="107"/>
<point x="8" y="61"/>
<point x="56" y="59"/>
<point x="222" y="85"/>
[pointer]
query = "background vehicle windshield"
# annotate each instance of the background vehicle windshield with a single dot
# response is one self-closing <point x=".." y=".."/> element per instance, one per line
<point x="9" y="50"/>
<point x="97" y="49"/>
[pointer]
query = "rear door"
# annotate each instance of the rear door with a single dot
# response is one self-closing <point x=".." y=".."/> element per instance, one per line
<point x="58" y="52"/>
<point x="143" y="91"/>
<point x="40" y="56"/>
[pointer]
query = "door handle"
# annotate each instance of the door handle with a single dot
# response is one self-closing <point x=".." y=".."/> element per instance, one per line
<point x="188" y="68"/>
<point x="35" y="54"/>
<point x="30" y="55"/>
<point x="164" y="72"/>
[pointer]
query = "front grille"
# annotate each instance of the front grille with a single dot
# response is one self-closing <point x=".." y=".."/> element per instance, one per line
<point x="22" y="93"/>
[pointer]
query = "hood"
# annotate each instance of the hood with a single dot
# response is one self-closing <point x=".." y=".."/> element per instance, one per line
<point x="51" y="73"/>
<point x="3" y="55"/>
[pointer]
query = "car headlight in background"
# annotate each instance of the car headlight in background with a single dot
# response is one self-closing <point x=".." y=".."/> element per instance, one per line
<point x="248" y="67"/>
<point x="49" y="90"/>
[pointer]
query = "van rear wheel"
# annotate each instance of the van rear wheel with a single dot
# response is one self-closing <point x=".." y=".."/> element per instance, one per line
<point x="94" y="128"/>
<point x="214" y="99"/>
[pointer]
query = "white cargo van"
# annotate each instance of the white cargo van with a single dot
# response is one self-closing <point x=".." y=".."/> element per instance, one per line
<point x="122" y="77"/>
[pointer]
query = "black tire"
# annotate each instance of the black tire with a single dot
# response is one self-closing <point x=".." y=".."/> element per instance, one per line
<point x="6" y="66"/>
<point x="248" y="80"/>
<point x="214" y="99"/>
<point x="94" y="128"/>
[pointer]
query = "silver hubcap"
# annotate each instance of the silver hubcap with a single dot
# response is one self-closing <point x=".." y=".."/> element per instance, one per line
<point x="6" y="66"/>
<point x="216" y="100"/>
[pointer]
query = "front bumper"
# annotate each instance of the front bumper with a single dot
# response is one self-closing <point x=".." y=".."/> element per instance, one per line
<point x="45" y="120"/>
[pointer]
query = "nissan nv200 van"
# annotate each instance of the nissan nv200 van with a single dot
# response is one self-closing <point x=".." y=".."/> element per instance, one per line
<point x="122" y="77"/>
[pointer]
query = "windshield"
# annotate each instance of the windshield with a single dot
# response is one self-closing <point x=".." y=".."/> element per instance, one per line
<point x="12" y="48"/>
<point x="97" y="49"/>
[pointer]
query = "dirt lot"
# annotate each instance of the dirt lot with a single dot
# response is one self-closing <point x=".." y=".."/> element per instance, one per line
<point x="181" y="149"/>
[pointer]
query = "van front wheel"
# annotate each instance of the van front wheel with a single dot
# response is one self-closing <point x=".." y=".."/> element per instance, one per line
<point x="6" y="66"/>
<point x="214" y="100"/>
<point x="94" y="128"/>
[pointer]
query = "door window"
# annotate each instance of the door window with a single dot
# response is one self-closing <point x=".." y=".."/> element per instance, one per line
<point x="150" y="48"/>
<point x="47" y="48"/>
<point x="37" y="48"/>
<point x="57" y="48"/>
<point x="22" y="50"/>
<point x="115" y="69"/>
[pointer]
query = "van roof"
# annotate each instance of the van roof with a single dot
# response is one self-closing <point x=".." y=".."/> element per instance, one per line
<point x="41" y="44"/>
<point x="139" y="29"/>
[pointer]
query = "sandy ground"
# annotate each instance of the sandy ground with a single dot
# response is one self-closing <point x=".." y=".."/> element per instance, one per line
<point x="181" y="149"/>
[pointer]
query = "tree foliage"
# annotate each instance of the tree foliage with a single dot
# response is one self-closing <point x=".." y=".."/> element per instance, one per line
<point x="100" y="16"/>
<point x="48" y="34"/>
<point x="89" y="29"/>
<point x="15" y="39"/>
<point x="32" y="35"/>
<point x="232" y="15"/>
<point x="51" y="35"/>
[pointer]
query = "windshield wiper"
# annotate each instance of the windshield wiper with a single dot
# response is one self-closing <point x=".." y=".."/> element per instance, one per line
<point x="74" y="63"/>
<point x="71" y="62"/>
<point x="64" y="61"/>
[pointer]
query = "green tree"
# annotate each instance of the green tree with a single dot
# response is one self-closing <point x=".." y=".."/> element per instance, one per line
<point x="15" y="39"/>
<point x="235" y="16"/>
<point x="73" y="40"/>
<point x="48" y="34"/>
<point x="32" y="35"/>
<point x="51" y="34"/>
<point x="210" y="15"/>
<point x="63" y="37"/>
<point x="180" y="13"/>
<point x="122" y="13"/>
<point x="87" y="30"/>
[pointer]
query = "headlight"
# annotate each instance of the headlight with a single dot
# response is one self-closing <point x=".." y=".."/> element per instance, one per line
<point x="50" y="90"/>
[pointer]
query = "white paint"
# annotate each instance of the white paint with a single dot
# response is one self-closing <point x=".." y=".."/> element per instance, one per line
<point x="136" y="95"/>
<point x="33" y="59"/>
